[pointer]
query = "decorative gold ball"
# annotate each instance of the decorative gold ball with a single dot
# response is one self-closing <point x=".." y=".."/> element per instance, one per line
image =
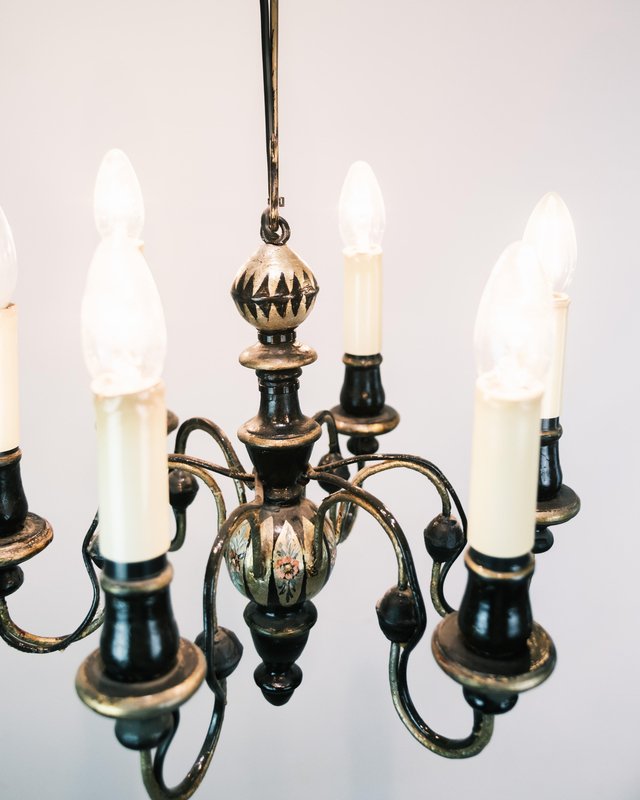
<point x="275" y="290"/>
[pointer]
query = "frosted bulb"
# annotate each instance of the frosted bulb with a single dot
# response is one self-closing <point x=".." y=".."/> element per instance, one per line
<point x="513" y="332"/>
<point x="117" y="198"/>
<point x="361" y="210"/>
<point x="551" y="233"/>
<point x="123" y="327"/>
<point x="8" y="262"/>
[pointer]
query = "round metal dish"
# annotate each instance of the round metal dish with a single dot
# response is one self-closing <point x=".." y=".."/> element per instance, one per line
<point x="563" y="507"/>
<point x="120" y="700"/>
<point x="365" y="426"/>
<point x="489" y="675"/>
<point x="35" y="535"/>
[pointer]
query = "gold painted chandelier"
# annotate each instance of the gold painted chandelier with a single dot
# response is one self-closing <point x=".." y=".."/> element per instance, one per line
<point x="280" y="547"/>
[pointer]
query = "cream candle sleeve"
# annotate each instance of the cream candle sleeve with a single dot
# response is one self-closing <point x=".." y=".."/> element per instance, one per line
<point x="552" y="397"/>
<point x="504" y="473"/>
<point x="9" y="387"/>
<point x="362" y="303"/>
<point x="132" y="475"/>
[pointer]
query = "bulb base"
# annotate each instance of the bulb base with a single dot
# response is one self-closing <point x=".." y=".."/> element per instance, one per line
<point x="362" y="414"/>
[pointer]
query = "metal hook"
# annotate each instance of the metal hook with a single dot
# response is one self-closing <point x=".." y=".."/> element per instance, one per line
<point x="273" y="228"/>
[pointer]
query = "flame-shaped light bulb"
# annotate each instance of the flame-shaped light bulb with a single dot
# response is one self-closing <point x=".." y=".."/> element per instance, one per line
<point x="513" y="327"/>
<point x="117" y="198"/>
<point x="361" y="210"/>
<point x="8" y="262"/>
<point x="551" y="233"/>
<point x="123" y="326"/>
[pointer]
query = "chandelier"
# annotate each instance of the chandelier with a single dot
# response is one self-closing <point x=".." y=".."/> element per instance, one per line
<point x="280" y="547"/>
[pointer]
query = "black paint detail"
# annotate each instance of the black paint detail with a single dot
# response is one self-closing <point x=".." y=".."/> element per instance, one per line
<point x="13" y="502"/>
<point x="550" y="474"/>
<point x="544" y="540"/>
<point x="443" y="538"/>
<point x="183" y="488"/>
<point x="362" y="393"/>
<point x="139" y="640"/>
<point x="11" y="579"/>
<point x="281" y="300"/>
<point x="296" y="295"/>
<point x="227" y="651"/>
<point x="495" y="616"/>
<point x="324" y="465"/>
<point x="279" y="635"/>
<point x="490" y="704"/>
<point x="144" y="734"/>
<point x="397" y="615"/>
<point x="279" y="418"/>
<point x="362" y="445"/>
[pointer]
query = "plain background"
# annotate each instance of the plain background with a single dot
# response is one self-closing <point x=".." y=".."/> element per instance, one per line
<point x="468" y="112"/>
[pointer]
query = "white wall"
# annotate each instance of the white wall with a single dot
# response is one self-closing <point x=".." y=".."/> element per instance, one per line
<point x="468" y="112"/>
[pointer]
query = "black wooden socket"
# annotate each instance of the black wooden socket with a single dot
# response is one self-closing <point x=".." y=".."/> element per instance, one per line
<point x="13" y="502"/>
<point x="139" y="640"/>
<point x="362" y="393"/>
<point x="550" y="474"/>
<point x="495" y="614"/>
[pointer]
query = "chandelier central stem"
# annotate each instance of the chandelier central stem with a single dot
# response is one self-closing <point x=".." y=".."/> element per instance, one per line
<point x="274" y="229"/>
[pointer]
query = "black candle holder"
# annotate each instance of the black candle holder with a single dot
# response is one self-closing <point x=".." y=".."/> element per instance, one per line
<point x="143" y="671"/>
<point x="362" y="414"/>
<point x="492" y="646"/>
<point x="557" y="503"/>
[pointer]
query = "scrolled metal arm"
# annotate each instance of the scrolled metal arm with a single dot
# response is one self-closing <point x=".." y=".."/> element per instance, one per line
<point x="152" y="767"/>
<point x="200" y="467"/>
<point x="444" y="488"/>
<point x="220" y="437"/>
<point x="27" y="642"/>
<point x="399" y="653"/>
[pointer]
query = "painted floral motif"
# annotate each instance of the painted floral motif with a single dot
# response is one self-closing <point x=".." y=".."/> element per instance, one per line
<point x="288" y="565"/>
<point x="236" y="554"/>
<point x="258" y="586"/>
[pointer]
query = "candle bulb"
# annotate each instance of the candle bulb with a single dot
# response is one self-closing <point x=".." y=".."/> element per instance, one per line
<point x="362" y="220"/>
<point x="513" y="344"/>
<point x="124" y="342"/>
<point x="9" y="388"/>
<point x="551" y="233"/>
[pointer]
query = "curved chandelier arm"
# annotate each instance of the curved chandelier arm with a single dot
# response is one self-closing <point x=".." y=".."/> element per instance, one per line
<point x="327" y="418"/>
<point x="407" y="579"/>
<point x="221" y="439"/>
<point x="235" y="475"/>
<point x="32" y="643"/>
<point x="353" y="494"/>
<point x="406" y="460"/>
<point x="446" y="492"/>
<point x="397" y="462"/>
<point x="436" y="587"/>
<point x="209" y="482"/>
<point x="471" y="745"/>
<point x="152" y="768"/>
<point x="200" y="468"/>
